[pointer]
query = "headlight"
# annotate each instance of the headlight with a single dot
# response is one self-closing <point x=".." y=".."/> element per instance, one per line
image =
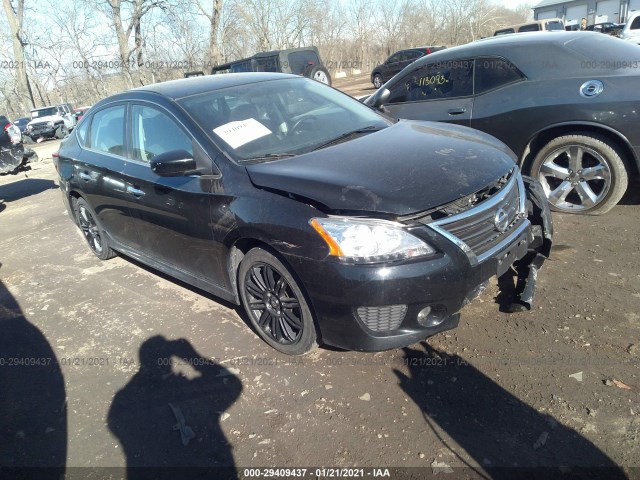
<point x="50" y="124"/>
<point x="368" y="241"/>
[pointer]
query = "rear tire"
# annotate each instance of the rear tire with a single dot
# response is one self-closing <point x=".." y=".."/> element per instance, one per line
<point x="377" y="80"/>
<point x="276" y="304"/>
<point x="582" y="174"/>
<point x="93" y="233"/>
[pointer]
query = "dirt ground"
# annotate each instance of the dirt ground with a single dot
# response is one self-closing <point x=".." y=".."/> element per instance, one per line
<point x="555" y="387"/>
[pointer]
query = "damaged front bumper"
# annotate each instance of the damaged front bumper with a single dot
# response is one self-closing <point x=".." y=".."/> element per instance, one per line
<point x="541" y="239"/>
<point x="378" y="307"/>
<point x="16" y="159"/>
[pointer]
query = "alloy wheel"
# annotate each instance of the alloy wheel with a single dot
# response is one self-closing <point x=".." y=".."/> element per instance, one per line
<point x="89" y="229"/>
<point x="575" y="177"/>
<point x="273" y="304"/>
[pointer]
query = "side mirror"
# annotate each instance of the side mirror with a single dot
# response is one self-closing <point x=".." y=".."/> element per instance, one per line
<point x="378" y="99"/>
<point x="173" y="163"/>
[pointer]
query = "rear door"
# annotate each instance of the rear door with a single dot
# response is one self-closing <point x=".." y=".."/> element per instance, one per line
<point x="172" y="213"/>
<point x="441" y="92"/>
<point x="99" y="167"/>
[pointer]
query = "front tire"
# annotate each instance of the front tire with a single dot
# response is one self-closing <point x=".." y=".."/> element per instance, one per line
<point x="91" y="230"/>
<point x="61" y="132"/>
<point x="581" y="174"/>
<point x="377" y="80"/>
<point x="275" y="304"/>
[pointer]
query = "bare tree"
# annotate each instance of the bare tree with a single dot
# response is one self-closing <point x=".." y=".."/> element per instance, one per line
<point x="15" y="17"/>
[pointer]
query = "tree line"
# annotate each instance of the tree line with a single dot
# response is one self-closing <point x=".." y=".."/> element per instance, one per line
<point x="75" y="51"/>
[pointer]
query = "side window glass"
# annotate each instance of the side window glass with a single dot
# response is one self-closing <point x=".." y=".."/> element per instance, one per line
<point x="635" y="24"/>
<point x="493" y="73"/>
<point x="154" y="133"/>
<point x="436" y="81"/>
<point x="81" y="131"/>
<point x="299" y="61"/>
<point x="532" y="27"/>
<point x="107" y="131"/>
<point x="266" y="64"/>
<point x="395" y="58"/>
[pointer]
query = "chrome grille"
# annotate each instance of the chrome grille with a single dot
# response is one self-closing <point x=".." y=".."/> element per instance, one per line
<point x="483" y="227"/>
<point x="382" y="319"/>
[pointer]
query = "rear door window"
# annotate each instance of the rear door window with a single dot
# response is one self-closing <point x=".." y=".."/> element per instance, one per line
<point x="635" y="25"/>
<point x="494" y="72"/>
<point x="451" y="79"/>
<point x="107" y="130"/>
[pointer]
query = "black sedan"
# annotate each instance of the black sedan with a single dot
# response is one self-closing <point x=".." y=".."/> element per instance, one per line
<point x="325" y="220"/>
<point x="566" y="103"/>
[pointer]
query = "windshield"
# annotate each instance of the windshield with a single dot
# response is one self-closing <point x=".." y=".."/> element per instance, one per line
<point x="279" y="117"/>
<point x="44" y="112"/>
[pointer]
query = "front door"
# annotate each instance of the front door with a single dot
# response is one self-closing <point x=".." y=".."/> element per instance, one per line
<point x="173" y="213"/>
<point x="440" y="92"/>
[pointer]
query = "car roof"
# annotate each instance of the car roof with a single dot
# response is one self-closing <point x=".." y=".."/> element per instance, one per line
<point x="186" y="87"/>
<point x="537" y="54"/>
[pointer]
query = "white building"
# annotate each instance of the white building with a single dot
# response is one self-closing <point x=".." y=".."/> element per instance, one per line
<point x="595" y="11"/>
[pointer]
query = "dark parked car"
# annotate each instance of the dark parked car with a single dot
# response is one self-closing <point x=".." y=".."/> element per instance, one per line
<point x="299" y="61"/>
<point x="21" y="123"/>
<point x="566" y="103"/>
<point x="325" y="220"/>
<point x="606" y="27"/>
<point x="397" y="62"/>
<point x="14" y="157"/>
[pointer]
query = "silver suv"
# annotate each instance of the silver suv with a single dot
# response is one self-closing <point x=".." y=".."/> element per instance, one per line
<point x="53" y="121"/>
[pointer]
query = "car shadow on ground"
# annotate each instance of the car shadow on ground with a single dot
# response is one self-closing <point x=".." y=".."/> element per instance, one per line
<point x="26" y="187"/>
<point x="167" y="418"/>
<point x="33" y="409"/>
<point x="501" y="433"/>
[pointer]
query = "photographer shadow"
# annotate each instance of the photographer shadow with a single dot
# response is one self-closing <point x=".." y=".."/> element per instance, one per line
<point x="505" y="437"/>
<point x="33" y="409"/>
<point x="167" y="418"/>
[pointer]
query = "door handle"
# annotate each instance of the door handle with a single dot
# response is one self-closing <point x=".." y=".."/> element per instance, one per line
<point x="84" y="176"/>
<point x="457" y="111"/>
<point x="136" y="192"/>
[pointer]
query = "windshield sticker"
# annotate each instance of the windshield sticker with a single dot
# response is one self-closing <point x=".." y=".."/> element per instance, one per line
<point x="241" y="132"/>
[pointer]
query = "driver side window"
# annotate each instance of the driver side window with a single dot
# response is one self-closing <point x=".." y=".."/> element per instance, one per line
<point x="154" y="132"/>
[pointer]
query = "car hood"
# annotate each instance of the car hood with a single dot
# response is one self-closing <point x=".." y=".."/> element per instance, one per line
<point x="405" y="168"/>
<point x="47" y="118"/>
